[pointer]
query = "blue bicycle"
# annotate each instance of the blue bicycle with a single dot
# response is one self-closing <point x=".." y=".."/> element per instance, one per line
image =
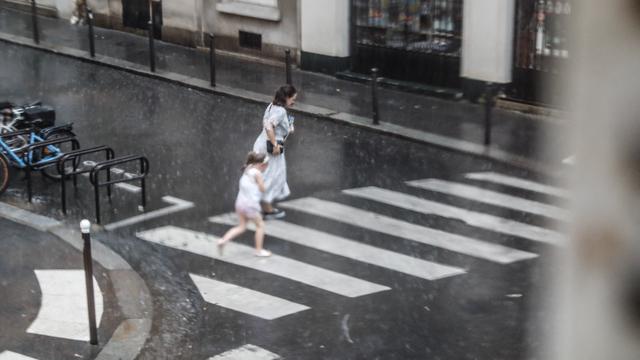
<point x="34" y="150"/>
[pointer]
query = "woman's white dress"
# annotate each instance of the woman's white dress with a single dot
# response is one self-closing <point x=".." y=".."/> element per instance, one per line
<point x="275" y="177"/>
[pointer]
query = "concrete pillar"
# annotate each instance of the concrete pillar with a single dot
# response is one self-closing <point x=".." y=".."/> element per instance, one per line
<point x="487" y="40"/>
<point x="324" y="35"/>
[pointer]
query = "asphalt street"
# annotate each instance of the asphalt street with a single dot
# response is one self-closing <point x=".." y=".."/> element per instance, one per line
<point x="371" y="264"/>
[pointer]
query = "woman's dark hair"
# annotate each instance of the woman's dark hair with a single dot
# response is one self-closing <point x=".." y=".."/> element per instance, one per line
<point x="284" y="92"/>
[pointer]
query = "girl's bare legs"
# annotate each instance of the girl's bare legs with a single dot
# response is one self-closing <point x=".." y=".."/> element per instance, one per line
<point x="260" y="251"/>
<point x="233" y="232"/>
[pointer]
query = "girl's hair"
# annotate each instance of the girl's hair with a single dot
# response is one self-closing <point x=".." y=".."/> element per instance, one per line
<point x="254" y="158"/>
<point x="284" y="93"/>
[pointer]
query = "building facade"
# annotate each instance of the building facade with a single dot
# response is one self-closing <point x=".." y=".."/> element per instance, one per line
<point x="417" y="41"/>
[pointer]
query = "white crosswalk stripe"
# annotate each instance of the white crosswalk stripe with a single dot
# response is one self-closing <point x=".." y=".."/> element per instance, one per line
<point x="247" y="352"/>
<point x="63" y="312"/>
<point x="472" y="218"/>
<point x="242" y="255"/>
<point x="9" y="355"/>
<point x="491" y="197"/>
<point x="398" y="228"/>
<point x="351" y="249"/>
<point x="518" y="183"/>
<point x="244" y="300"/>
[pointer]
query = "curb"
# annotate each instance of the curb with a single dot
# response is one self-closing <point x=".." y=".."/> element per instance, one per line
<point x="130" y="335"/>
<point x="418" y="136"/>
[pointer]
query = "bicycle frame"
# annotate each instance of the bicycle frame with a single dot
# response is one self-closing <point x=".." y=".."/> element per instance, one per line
<point x="19" y="162"/>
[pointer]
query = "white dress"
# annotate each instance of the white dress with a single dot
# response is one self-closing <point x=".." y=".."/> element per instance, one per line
<point x="249" y="194"/>
<point x="275" y="177"/>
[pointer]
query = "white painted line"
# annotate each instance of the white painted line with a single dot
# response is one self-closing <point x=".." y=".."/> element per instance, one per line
<point x="177" y="206"/>
<point x="242" y="255"/>
<point x="491" y="197"/>
<point x="247" y="352"/>
<point x="24" y="217"/>
<point x="244" y="300"/>
<point x="518" y="183"/>
<point x="9" y="355"/>
<point x="350" y="249"/>
<point x="398" y="228"/>
<point x="477" y="219"/>
<point x="63" y="312"/>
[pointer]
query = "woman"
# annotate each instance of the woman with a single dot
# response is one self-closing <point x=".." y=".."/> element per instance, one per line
<point x="275" y="129"/>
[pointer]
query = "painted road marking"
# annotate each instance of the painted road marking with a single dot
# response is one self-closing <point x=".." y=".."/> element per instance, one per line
<point x="518" y="183"/>
<point x="481" y="220"/>
<point x="242" y="255"/>
<point x="350" y="249"/>
<point x="244" y="300"/>
<point x="491" y="197"/>
<point x="177" y="206"/>
<point x="9" y="355"/>
<point x="398" y="228"/>
<point x="63" y="312"/>
<point x="247" y="352"/>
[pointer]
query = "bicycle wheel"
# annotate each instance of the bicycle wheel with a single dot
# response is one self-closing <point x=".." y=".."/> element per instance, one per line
<point x="4" y="173"/>
<point x="50" y="171"/>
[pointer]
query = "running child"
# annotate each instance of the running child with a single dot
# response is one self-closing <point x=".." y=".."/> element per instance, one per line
<point x="248" y="203"/>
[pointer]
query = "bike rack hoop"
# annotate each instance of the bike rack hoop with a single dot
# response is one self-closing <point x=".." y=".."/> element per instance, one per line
<point x="75" y="157"/>
<point x="107" y="165"/>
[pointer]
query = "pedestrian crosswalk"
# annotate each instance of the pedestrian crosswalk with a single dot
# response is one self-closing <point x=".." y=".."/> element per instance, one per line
<point x="242" y="255"/>
<point x="381" y="255"/>
<point x="406" y="230"/>
<point x="491" y="197"/>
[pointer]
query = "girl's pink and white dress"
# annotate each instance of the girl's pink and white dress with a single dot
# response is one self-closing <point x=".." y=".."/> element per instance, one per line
<point x="249" y="194"/>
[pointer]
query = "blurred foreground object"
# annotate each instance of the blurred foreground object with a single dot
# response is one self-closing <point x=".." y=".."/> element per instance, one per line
<point x="596" y="296"/>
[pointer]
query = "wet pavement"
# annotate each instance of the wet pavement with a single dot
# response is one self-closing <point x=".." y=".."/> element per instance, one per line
<point x="30" y="262"/>
<point x="486" y="307"/>
<point x="514" y="132"/>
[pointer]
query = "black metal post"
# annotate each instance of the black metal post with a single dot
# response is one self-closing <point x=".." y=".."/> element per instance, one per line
<point x="85" y="228"/>
<point x="152" y="50"/>
<point x="63" y="191"/>
<point x="374" y="96"/>
<point x="34" y="20"/>
<point x="489" y="102"/>
<point x="96" y="194"/>
<point x="92" y="46"/>
<point x="27" y="171"/>
<point x="287" y="64"/>
<point x="212" y="59"/>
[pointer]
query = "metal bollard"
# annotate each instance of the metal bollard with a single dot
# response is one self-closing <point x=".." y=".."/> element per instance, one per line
<point x="489" y="102"/>
<point x="85" y="228"/>
<point x="34" y="21"/>
<point x="287" y="64"/>
<point x="212" y="59"/>
<point x="374" y="96"/>
<point x="92" y="46"/>
<point x="152" y="49"/>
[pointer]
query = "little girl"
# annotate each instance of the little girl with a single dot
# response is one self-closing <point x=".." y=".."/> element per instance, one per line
<point x="248" y="202"/>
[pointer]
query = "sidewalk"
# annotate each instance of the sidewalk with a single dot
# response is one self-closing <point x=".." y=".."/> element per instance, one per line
<point x="442" y="122"/>
<point x="41" y="265"/>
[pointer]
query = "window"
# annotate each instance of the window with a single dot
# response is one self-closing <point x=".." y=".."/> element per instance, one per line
<point x="261" y="9"/>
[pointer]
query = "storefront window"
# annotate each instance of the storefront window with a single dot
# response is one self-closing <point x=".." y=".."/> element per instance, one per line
<point x="430" y="26"/>
<point x="541" y="41"/>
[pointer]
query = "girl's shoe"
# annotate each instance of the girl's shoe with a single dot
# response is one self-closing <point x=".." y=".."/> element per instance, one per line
<point x="221" y="245"/>
<point x="263" y="253"/>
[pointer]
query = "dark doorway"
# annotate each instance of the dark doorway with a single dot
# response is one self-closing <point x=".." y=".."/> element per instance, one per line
<point x="135" y="14"/>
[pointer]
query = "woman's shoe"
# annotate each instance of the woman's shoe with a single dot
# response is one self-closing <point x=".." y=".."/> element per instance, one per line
<point x="263" y="253"/>
<point x="273" y="214"/>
